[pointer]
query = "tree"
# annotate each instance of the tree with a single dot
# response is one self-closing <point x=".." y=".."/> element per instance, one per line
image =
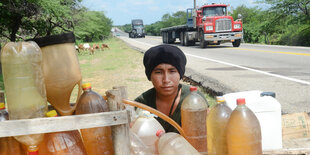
<point x="93" y="25"/>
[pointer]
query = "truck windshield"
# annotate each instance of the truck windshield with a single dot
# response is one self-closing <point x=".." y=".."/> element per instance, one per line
<point x="214" y="11"/>
<point x="138" y="26"/>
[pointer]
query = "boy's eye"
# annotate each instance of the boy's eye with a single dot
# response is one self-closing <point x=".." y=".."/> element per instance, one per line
<point x="173" y="70"/>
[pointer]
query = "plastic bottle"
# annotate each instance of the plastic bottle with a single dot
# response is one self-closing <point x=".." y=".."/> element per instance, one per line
<point x="137" y="147"/>
<point x="243" y="131"/>
<point x="24" y="86"/>
<point x="3" y="112"/>
<point x="144" y="127"/>
<point x="193" y="119"/>
<point x="217" y="120"/>
<point x="61" y="143"/>
<point x="156" y="112"/>
<point x="8" y="145"/>
<point x="61" y="70"/>
<point x="96" y="140"/>
<point x="174" y="144"/>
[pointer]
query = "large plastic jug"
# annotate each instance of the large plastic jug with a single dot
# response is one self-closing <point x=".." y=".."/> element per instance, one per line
<point x="193" y="119"/>
<point x="137" y="147"/>
<point x="96" y="140"/>
<point x="60" y="143"/>
<point x="9" y="145"/>
<point x="61" y="70"/>
<point x="24" y="85"/>
<point x="243" y="131"/>
<point x="174" y="144"/>
<point x="217" y="120"/>
<point x="268" y="112"/>
<point x="145" y="128"/>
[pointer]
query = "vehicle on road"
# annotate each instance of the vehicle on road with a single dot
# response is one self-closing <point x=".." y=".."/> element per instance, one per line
<point x="137" y="29"/>
<point x="209" y="24"/>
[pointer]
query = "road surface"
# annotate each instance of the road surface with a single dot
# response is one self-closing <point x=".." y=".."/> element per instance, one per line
<point x="284" y="70"/>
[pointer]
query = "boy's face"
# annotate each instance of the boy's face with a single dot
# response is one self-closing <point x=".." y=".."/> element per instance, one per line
<point x="165" y="79"/>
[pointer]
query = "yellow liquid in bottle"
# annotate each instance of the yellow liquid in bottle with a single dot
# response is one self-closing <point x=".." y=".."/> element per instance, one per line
<point x="243" y="133"/>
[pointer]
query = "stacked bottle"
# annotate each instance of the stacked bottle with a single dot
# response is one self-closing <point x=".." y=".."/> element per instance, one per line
<point x="59" y="143"/>
<point x="24" y="85"/>
<point x="193" y="118"/>
<point x="137" y="146"/>
<point x="243" y="131"/>
<point x="8" y="145"/>
<point x="174" y="144"/>
<point x="96" y="140"/>
<point x="61" y="70"/>
<point x="144" y="127"/>
<point x="217" y="120"/>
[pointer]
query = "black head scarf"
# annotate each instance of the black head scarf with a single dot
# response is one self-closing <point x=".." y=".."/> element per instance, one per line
<point x="164" y="54"/>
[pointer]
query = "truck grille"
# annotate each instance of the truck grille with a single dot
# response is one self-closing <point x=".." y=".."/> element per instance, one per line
<point x="222" y="25"/>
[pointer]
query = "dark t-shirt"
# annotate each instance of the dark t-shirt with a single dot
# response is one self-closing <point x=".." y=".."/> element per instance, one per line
<point x="149" y="98"/>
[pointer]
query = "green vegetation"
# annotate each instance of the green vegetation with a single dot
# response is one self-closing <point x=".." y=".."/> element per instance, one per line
<point x="21" y="20"/>
<point x="284" y="22"/>
<point x="118" y="65"/>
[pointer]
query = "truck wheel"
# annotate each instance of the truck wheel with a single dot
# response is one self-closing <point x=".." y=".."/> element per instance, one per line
<point x="192" y="43"/>
<point x="236" y="43"/>
<point x="169" y="38"/>
<point x="203" y="43"/>
<point x="186" y="42"/>
<point x="163" y="36"/>
<point x="182" y="38"/>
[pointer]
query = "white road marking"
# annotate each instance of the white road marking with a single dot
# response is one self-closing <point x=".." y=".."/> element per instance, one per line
<point x="250" y="69"/>
<point x="238" y="66"/>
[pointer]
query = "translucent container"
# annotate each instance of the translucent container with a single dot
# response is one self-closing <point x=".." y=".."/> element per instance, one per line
<point x="24" y="85"/>
<point x="174" y="144"/>
<point x="217" y="120"/>
<point x="61" y="70"/>
<point x="243" y="131"/>
<point x="3" y="112"/>
<point x="137" y="147"/>
<point x="59" y="143"/>
<point x="96" y="140"/>
<point x="268" y="112"/>
<point x="193" y="119"/>
<point x="9" y="145"/>
<point x="145" y="128"/>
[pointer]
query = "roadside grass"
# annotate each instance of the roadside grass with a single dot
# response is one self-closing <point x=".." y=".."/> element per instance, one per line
<point x="119" y="65"/>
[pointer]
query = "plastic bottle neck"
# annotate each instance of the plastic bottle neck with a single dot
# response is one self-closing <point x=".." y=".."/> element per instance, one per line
<point x="159" y="133"/>
<point x="33" y="150"/>
<point x="86" y="89"/>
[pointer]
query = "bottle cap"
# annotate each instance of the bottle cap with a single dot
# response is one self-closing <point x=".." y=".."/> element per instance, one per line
<point x="240" y="101"/>
<point x="86" y="86"/>
<point x="192" y="88"/>
<point x="159" y="132"/>
<point x="2" y="106"/>
<point x="220" y="99"/>
<point x="51" y="113"/>
<point x="33" y="150"/>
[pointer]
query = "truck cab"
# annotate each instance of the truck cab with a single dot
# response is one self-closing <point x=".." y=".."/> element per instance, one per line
<point x="137" y="29"/>
<point x="208" y="25"/>
<point x="215" y="26"/>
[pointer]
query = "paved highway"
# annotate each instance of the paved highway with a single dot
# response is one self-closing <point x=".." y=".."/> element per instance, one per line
<point x="284" y="70"/>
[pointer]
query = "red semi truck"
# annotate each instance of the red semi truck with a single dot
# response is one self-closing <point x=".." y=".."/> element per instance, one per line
<point x="208" y="25"/>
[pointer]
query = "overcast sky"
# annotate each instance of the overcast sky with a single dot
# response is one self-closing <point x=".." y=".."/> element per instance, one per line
<point x="122" y="11"/>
